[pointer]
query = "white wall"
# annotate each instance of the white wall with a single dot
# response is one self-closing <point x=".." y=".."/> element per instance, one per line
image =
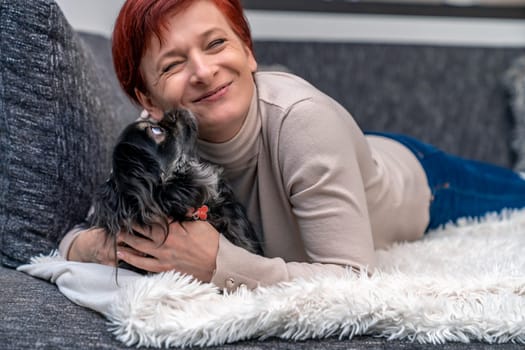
<point x="98" y="16"/>
<point x="382" y="28"/>
<point x="95" y="16"/>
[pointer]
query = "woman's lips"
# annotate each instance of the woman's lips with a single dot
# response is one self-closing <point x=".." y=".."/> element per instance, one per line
<point x="214" y="94"/>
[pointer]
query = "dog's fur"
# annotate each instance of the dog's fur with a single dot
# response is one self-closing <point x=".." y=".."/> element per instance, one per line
<point x="158" y="177"/>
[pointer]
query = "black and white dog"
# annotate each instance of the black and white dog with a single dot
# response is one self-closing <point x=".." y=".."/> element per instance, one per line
<point x="158" y="177"/>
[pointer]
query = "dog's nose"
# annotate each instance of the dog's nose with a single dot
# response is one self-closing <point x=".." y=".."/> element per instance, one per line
<point x="170" y="116"/>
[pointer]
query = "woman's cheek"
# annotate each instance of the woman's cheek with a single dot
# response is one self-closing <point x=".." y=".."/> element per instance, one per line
<point x="173" y="93"/>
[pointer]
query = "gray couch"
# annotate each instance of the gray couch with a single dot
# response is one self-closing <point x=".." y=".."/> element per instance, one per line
<point x="61" y="108"/>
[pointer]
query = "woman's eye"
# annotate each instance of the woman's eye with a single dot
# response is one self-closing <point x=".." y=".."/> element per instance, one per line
<point x="215" y="43"/>
<point x="171" y="67"/>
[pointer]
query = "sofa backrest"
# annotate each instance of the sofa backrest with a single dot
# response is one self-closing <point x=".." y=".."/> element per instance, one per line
<point x="452" y="97"/>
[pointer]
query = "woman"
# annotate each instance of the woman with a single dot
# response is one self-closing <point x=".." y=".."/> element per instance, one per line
<point x="322" y="195"/>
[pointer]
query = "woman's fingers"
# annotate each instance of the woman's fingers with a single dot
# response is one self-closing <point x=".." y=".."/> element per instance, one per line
<point x="147" y="241"/>
<point x="140" y="244"/>
<point x="131" y="257"/>
<point x="156" y="233"/>
<point x="191" y="247"/>
<point x="139" y="260"/>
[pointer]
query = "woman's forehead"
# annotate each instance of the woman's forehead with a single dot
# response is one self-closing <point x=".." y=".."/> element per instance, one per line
<point x="199" y="18"/>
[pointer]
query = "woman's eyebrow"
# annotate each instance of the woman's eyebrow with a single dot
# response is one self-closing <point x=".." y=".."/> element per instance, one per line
<point x="212" y="31"/>
<point x="173" y="52"/>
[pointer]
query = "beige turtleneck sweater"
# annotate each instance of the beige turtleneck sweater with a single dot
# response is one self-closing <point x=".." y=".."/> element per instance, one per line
<point x="322" y="196"/>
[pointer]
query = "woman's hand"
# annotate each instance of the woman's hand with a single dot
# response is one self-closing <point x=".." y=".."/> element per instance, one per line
<point x="92" y="245"/>
<point x="191" y="247"/>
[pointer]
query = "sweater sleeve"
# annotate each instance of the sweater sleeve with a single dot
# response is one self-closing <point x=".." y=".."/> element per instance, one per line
<point x="237" y="267"/>
<point x="68" y="239"/>
<point x="324" y="162"/>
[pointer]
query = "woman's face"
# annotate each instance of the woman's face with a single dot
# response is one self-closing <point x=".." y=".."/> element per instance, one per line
<point x="203" y="66"/>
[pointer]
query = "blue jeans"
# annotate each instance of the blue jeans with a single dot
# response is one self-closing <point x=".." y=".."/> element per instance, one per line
<point x="461" y="187"/>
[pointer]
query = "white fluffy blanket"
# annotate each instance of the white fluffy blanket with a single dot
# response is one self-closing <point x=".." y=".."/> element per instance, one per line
<point x="462" y="283"/>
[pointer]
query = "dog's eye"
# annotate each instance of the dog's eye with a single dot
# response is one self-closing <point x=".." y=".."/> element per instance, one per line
<point x="156" y="133"/>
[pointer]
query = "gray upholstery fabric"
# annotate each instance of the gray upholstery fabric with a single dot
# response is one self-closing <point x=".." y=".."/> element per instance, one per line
<point x="57" y="120"/>
<point x="515" y="82"/>
<point x="449" y="96"/>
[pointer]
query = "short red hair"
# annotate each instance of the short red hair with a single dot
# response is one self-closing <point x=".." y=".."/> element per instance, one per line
<point x="139" y="20"/>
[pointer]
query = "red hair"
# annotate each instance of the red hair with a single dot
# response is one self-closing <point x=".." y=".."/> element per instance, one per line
<point x="139" y="20"/>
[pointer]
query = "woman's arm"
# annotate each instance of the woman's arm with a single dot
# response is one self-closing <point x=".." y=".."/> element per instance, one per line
<point x="327" y="167"/>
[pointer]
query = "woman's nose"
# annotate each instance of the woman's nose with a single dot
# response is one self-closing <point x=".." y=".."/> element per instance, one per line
<point x="203" y="69"/>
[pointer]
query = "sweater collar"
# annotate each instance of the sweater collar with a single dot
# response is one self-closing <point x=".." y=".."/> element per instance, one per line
<point x="242" y="147"/>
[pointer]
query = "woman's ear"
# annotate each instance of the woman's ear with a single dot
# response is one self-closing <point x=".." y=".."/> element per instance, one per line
<point x="148" y="104"/>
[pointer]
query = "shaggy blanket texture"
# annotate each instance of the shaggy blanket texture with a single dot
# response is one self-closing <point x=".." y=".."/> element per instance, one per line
<point x="461" y="283"/>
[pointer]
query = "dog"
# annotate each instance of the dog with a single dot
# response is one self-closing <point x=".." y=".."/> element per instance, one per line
<point x="158" y="177"/>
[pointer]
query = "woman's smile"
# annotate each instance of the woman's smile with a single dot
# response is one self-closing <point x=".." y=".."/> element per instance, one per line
<point x="214" y="94"/>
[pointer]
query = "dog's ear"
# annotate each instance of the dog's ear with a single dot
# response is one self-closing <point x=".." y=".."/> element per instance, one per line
<point x="107" y="208"/>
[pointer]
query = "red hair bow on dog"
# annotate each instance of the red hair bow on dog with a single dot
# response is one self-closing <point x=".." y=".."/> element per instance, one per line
<point x="201" y="213"/>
